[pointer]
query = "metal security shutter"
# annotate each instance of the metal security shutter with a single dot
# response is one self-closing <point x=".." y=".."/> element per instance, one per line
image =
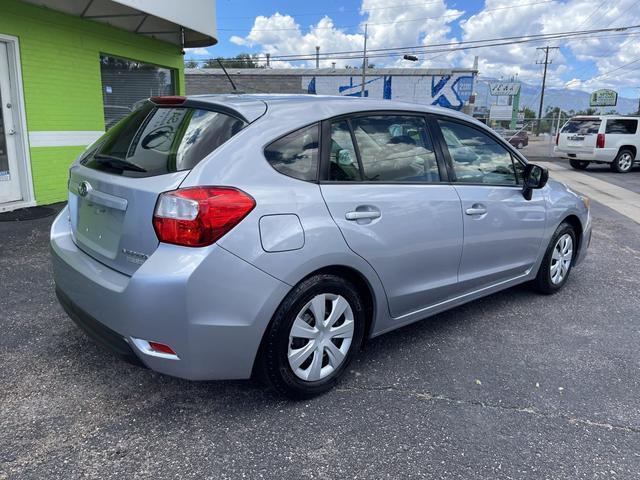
<point x="125" y="82"/>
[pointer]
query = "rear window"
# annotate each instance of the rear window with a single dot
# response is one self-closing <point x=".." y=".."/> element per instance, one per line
<point x="582" y="126"/>
<point x="622" y="125"/>
<point x="157" y="140"/>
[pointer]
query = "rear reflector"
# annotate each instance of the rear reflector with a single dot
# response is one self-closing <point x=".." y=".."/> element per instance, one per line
<point x="168" y="100"/>
<point x="155" y="349"/>
<point x="161" y="348"/>
<point x="600" y="140"/>
<point x="199" y="216"/>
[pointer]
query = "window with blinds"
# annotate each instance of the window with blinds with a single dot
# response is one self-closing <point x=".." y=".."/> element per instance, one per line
<point x="126" y="82"/>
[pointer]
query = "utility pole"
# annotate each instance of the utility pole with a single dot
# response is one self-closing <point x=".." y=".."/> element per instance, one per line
<point x="364" y="61"/>
<point x="544" y="80"/>
<point x="317" y="57"/>
<point x="268" y="59"/>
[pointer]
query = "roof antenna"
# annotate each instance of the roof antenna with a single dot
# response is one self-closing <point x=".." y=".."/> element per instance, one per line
<point x="228" y="77"/>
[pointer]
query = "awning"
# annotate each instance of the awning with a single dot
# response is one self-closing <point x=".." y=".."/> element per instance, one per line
<point x="161" y="19"/>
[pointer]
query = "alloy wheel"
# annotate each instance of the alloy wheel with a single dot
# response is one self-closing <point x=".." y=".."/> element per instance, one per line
<point x="625" y="161"/>
<point x="561" y="259"/>
<point x="320" y="337"/>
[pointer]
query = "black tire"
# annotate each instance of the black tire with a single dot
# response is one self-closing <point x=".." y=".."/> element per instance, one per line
<point x="621" y="163"/>
<point x="274" y="364"/>
<point x="543" y="282"/>
<point x="579" y="164"/>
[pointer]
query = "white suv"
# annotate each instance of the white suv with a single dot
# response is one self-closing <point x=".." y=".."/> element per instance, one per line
<point x="601" y="139"/>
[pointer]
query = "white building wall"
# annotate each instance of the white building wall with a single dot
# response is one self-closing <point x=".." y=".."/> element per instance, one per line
<point x="451" y="91"/>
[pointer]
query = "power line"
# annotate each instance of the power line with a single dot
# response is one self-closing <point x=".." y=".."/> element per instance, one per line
<point x="610" y="51"/>
<point x="423" y="48"/>
<point x="609" y="72"/>
<point x="451" y="47"/>
<point x="633" y="4"/>
<point x="457" y="14"/>
<point x="592" y="13"/>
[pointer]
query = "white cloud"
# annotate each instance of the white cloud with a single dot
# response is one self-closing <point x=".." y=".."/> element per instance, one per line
<point x="393" y="25"/>
<point x="201" y="52"/>
<point x="389" y="27"/>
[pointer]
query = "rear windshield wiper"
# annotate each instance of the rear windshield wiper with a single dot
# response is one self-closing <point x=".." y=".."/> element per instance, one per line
<point x="117" y="163"/>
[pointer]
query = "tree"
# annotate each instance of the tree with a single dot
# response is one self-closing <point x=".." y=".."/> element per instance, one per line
<point x="190" y="64"/>
<point x="528" y="113"/>
<point x="588" y="111"/>
<point x="553" y="112"/>
<point x="242" y="60"/>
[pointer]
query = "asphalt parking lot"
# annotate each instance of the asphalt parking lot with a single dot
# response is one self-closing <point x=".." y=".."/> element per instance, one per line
<point x="516" y="385"/>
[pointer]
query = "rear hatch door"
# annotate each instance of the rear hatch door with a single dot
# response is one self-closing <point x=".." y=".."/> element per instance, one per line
<point x="114" y="186"/>
<point x="579" y="135"/>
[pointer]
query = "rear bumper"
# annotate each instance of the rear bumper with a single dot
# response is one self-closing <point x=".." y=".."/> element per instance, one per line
<point x="605" y="155"/>
<point x="210" y="306"/>
<point x="98" y="332"/>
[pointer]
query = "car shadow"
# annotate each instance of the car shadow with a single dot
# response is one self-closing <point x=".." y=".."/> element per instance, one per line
<point x="251" y="395"/>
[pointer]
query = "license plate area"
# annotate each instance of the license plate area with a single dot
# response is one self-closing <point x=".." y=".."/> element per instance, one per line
<point x="99" y="228"/>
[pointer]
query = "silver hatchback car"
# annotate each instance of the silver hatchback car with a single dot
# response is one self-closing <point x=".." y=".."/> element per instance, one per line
<point x="225" y="236"/>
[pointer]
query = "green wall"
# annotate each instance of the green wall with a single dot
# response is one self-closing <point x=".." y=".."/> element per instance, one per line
<point x="60" y="56"/>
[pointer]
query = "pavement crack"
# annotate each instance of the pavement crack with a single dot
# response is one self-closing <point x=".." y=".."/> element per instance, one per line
<point x="429" y="396"/>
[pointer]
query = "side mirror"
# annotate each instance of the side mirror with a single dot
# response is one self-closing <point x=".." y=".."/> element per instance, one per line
<point x="535" y="177"/>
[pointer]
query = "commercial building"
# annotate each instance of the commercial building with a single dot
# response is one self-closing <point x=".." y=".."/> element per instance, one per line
<point x="451" y="88"/>
<point x="71" y="68"/>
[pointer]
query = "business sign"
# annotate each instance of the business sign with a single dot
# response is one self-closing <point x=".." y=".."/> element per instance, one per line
<point x="603" y="98"/>
<point x="500" y="89"/>
<point x="501" y="112"/>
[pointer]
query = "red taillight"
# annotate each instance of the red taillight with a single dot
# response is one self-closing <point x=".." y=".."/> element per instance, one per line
<point x="161" y="348"/>
<point x="168" y="100"/>
<point x="557" y="137"/>
<point x="600" y="140"/>
<point x="199" y="216"/>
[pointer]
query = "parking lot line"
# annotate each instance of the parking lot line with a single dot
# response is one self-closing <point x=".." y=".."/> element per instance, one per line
<point x="612" y="196"/>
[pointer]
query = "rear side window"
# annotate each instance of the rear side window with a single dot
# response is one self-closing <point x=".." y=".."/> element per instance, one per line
<point x="391" y="148"/>
<point x="296" y="154"/>
<point x="582" y="126"/>
<point x="395" y="149"/>
<point x="625" y="126"/>
<point x="157" y="140"/>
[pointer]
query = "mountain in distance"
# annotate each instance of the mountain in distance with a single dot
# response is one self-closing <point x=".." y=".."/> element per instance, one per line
<point x="565" y="98"/>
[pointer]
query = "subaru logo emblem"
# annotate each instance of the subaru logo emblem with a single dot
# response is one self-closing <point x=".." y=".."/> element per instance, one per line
<point x="84" y="188"/>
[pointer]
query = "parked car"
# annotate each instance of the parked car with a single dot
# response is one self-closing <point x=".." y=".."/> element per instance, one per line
<point x="220" y="237"/>
<point x="600" y="139"/>
<point x="517" y="138"/>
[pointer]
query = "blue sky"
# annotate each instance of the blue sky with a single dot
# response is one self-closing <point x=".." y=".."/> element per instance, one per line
<point x="293" y="27"/>
<point x="239" y="15"/>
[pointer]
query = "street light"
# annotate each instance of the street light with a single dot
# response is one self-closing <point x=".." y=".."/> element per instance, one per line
<point x="411" y="58"/>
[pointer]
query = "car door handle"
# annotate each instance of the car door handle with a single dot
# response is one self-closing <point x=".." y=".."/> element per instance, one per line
<point x="362" y="214"/>
<point x="476" y="210"/>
